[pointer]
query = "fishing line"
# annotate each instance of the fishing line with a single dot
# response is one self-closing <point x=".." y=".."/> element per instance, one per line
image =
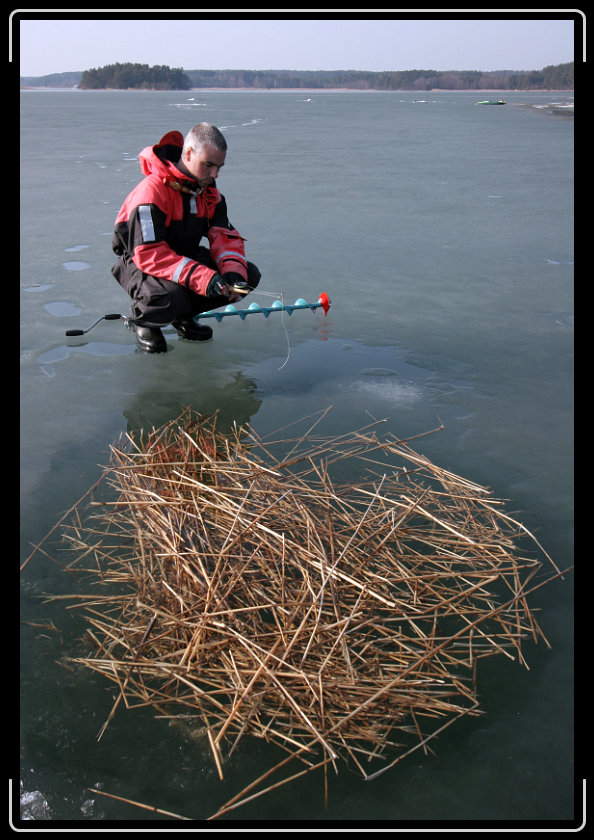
<point x="284" y="326"/>
<point x="283" y="318"/>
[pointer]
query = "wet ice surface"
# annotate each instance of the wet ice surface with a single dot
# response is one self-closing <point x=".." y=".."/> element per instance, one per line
<point x="94" y="348"/>
<point x="62" y="309"/>
<point x="450" y="270"/>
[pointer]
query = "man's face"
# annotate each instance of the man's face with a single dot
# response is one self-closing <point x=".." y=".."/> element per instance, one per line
<point x="204" y="164"/>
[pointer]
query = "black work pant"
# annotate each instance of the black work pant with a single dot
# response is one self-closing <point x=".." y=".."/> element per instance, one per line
<point x="158" y="302"/>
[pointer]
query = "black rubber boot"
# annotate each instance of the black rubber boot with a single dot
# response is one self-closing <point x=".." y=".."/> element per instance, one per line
<point x="189" y="329"/>
<point x="150" y="339"/>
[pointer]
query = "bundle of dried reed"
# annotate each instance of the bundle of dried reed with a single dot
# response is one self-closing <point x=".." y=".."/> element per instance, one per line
<point x="256" y="594"/>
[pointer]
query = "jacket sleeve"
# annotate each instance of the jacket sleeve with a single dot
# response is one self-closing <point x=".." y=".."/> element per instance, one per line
<point x="226" y="245"/>
<point x="141" y="229"/>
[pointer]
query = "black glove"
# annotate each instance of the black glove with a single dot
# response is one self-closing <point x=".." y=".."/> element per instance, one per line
<point x="217" y="287"/>
<point x="233" y="279"/>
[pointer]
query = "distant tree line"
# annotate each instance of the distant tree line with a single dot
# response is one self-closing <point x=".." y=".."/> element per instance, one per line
<point x="53" y="80"/>
<point x="556" y="77"/>
<point x="141" y="76"/>
<point x="161" y="77"/>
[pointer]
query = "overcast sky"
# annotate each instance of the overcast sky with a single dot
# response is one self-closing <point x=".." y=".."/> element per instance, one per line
<point x="516" y="42"/>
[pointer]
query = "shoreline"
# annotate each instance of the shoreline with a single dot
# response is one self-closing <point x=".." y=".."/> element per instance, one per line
<point x="307" y="90"/>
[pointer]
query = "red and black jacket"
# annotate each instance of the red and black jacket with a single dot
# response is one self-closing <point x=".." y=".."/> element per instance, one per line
<point x="163" y="219"/>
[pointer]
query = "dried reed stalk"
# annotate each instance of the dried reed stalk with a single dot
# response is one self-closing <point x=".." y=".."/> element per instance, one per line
<point x="254" y="594"/>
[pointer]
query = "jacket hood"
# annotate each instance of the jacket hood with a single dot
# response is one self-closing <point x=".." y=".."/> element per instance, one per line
<point x="161" y="158"/>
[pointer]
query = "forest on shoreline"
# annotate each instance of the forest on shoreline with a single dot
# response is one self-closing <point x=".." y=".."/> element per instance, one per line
<point x="161" y="77"/>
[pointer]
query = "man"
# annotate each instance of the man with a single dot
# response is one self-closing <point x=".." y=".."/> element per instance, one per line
<point x="170" y="277"/>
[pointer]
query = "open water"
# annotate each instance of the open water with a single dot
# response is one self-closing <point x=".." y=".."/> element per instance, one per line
<point x="443" y="234"/>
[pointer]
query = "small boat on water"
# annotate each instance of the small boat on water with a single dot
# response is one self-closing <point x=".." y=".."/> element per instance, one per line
<point x="490" y="102"/>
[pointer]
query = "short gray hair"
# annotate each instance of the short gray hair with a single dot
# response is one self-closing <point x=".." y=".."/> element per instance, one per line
<point x="205" y="134"/>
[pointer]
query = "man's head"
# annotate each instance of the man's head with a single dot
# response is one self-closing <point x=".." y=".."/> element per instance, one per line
<point x="203" y="153"/>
